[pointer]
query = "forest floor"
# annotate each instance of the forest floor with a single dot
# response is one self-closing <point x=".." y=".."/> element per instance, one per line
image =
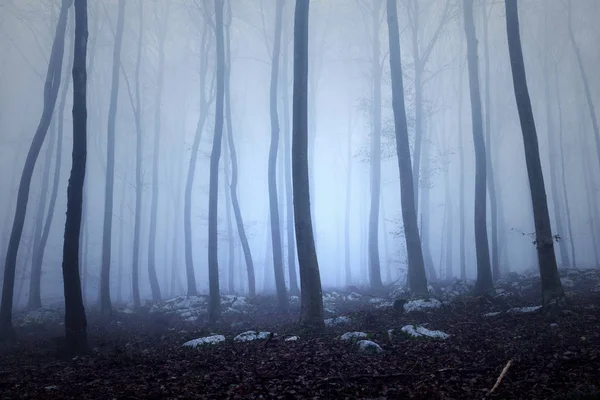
<point x="140" y="355"/>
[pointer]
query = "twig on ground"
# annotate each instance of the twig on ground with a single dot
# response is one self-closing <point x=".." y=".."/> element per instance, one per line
<point x="502" y="374"/>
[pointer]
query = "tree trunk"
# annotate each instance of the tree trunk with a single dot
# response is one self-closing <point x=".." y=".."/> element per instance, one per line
<point x="51" y="87"/>
<point x="230" y="240"/>
<point x="461" y="185"/>
<point x="586" y="85"/>
<point x="162" y="36"/>
<point x="491" y="178"/>
<point x="425" y="212"/>
<point x="282" y="299"/>
<point x="105" y="302"/>
<point x="375" y="177"/>
<point x="214" y="310"/>
<point x="187" y="206"/>
<point x="75" y="320"/>
<point x="287" y="160"/>
<point x="551" y="287"/>
<point x="35" y="300"/>
<point x="563" y="167"/>
<point x="347" y="263"/>
<point x="135" y="268"/>
<point x="234" y="170"/>
<point x="416" y="277"/>
<point x="484" y="283"/>
<point x="556" y="203"/>
<point x="311" y="306"/>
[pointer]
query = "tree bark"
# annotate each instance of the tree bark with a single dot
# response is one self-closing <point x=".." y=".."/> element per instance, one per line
<point x="105" y="302"/>
<point x="484" y="283"/>
<point x="417" y="280"/>
<point x="311" y="302"/>
<point x="75" y="320"/>
<point x="282" y="299"/>
<point x="461" y="184"/>
<point x="154" y="286"/>
<point x="230" y="240"/>
<point x="51" y="86"/>
<point x="214" y="310"/>
<point x="234" y="169"/>
<point x="551" y="287"/>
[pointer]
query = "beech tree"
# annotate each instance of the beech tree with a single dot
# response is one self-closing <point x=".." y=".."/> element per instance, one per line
<point x="552" y="291"/>
<point x="75" y="320"/>
<point x="311" y="299"/>
<point x="484" y="283"/>
<point x="417" y="279"/>
<point x="51" y="89"/>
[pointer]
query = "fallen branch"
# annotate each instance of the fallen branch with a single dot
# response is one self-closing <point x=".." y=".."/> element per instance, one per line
<point x="502" y="374"/>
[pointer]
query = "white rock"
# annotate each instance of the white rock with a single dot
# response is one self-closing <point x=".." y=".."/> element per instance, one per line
<point x="292" y="339"/>
<point x="524" y="309"/>
<point x="352" y="336"/>
<point x="419" y="331"/>
<point x="421" y="304"/>
<point x="249" y="336"/>
<point x="369" y="347"/>
<point x="341" y="320"/>
<point x="205" y="340"/>
<point x="492" y="314"/>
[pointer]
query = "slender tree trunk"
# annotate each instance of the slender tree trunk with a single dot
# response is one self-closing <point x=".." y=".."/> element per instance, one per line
<point x="311" y="306"/>
<point x="553" y="155"/>
<point x="449" y="210"/>
<point x="375" y="177"/>
<point x="551" y="287"/>
<point x="214" y="311"/>
<point x="187" y="206"/>
<point x="234" y="169"/>
<point x="586" y="85"/>
<point x="491" y="178"/>
<point x="425" y="225"/>
<point x="563" y="168"/>
<point x="230" y="240"/>
<point x="417" y="279"/>
<point x="272" y="168"/>
<point x="135" y="268"/>
<point x="51" y="87"/>
<point x="35" y="300"/>
<point x="461" y="185"/>
<point x="75" y="320"/>
<point x="484" y="283"/>
<point x="386" y="246"/>
<point x="347" y="263"/>
<point x="287" y="159"/>
<point x="105" y="302"/>
<point x="154" y="286"/>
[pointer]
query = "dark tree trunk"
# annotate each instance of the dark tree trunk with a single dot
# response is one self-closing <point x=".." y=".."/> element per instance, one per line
<point x="234" y="171"/>
<point x="484" y="283"/>
<point x="417" y="279"/>
<point x="135" y="267"/>
<point x="461" y="185"/>
<point x="154" y="286"/>
<point x="214" y="310"/>
<point x="551" y="287"/>
<point x="105" y="302"/>
<point x="287" y="160"/>
<point x="51" y="87"/>
<point x="282" y="299"/>
<point x="491" y="177"/>
<point x="311" y="307"/>
<point x="75" y="320"/>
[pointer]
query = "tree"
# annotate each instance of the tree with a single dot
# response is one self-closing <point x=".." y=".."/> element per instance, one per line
<point x="105" y="302"/>
<point x="51" y="88"/>
<point x="272" y="168"/>
<point x="162" y="36"/>
<point x="75" y="320"/>
<point x="552" y="291"/>
<point x="484" y="283"/>
<point x="206" y="99"/>
<point x="311" y="302"/>
<point x="417" y="279"/>
<point x="214" y="310"/>
<point x="234" y="165"/>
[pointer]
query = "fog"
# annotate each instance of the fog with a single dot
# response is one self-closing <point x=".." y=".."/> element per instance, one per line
<point x="340" y="114"/>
